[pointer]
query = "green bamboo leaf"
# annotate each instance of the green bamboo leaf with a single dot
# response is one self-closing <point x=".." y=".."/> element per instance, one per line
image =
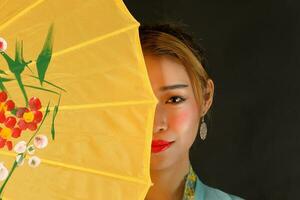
<point x="2" y="72"/>
<point x="2" y="87"/>
<point x="6" y="79"/>
<point x="20" y="63"/>
<point x="21" y="85"/>
<point x="49" y="83"/>
<point x="47" y="109"/>
<point x="11" y="63"/>
<point x="53" y="118"/>
<point x="44" y="57"/>
<point x="40" y="88"/>
<point x="29" y="68"/>
<point x="19" y="51"/>
<point x="17" y="66"/>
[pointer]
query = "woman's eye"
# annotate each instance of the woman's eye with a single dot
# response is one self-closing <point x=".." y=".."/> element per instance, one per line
<point x="177" y="99"/>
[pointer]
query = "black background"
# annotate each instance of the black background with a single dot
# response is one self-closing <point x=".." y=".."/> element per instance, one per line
<point x="252" y="148"/>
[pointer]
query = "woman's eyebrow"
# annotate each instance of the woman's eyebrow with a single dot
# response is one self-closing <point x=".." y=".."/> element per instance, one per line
<point x="172" y="87"/>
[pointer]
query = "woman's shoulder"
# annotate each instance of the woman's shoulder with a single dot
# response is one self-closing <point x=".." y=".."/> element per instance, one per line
<point x="197" y="190"/>
<point x="205" y="192"/>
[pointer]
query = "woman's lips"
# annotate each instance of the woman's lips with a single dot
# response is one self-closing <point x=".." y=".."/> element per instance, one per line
<point x="160" y="145"/>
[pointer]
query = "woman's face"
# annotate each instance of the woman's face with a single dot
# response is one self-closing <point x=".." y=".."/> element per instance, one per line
<point x="177" y="114"/>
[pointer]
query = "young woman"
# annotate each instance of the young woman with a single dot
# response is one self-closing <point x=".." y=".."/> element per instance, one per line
<point x="176" y="68"/>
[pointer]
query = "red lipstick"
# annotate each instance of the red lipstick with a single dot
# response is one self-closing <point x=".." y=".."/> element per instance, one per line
<point x="160" y="145"/>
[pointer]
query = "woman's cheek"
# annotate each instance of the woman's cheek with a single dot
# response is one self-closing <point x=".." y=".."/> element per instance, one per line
<point x="181" y="119"/>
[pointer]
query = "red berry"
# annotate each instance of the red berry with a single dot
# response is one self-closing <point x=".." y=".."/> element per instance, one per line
<point x="10" y="122"/>
<point x="22" y="124"/>
<point x="32" y="126"/>
<point x="2" y="117"/>
<point x="10" y="105"/>
<point x="21" y="111"/>
<point x="9" y="145"/>
<point x="2" y="142"/>
<point x="35" y="103"/>
<point x="16" y="132"/>
<point x="38" y="116"/>
<point x="3" y="96"/>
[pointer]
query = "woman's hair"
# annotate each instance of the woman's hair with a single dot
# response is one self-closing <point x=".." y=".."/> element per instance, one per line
<point x="172" y="40"/>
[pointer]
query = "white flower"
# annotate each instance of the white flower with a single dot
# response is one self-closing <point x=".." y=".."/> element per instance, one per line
<point x="20" y="159"/>
<point x="3" y="172"/>
<point x="34" y="161"/>
<point x="40" y="141"/>
<point x="20" y="147"/>
<point x="3" y="44"/>
<point x="30" y="149"/>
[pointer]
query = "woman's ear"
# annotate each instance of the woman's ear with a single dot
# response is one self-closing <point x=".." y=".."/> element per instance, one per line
<point x="208" y="96"/>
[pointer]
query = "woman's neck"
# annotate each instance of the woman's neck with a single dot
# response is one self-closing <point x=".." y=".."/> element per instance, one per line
<point x="169" y="183"/>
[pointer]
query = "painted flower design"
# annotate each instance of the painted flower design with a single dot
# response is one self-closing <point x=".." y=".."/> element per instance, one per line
<point x="30" y="149"/>
<point x="20" y="147"/>
<point x="34" y="161"/>
<point x="15" y="120"/>
<point x="3" y="44"/>
<point x="9" y="129"/>
<point x="3" y="172"/>
<point x="40" y="141"/>
<point x="25" y="118"/>
<point x="5" y="135"/>
<point x="5" y="105"/>
<point x="30" y="118"/>
<point x="20" y="159"/>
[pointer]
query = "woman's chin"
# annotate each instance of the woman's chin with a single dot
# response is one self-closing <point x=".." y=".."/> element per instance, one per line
<point x="159" y="163"/>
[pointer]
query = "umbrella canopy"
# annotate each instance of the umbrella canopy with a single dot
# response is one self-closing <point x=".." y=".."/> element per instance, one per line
<point x="104" y="125"/>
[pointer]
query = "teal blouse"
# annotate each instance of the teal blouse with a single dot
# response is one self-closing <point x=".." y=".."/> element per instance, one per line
<point x="196" y="190"/>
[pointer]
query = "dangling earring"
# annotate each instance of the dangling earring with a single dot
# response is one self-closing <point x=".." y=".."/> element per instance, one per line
<point x="203" y="129"/>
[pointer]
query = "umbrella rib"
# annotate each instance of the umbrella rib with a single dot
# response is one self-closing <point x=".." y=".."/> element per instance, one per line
<point x="20" y="14"/>
<point x="99" y="105"/>
<point x="83" y="169"/>
<point x="89" y="42"/>
<point x="94" y="40"/>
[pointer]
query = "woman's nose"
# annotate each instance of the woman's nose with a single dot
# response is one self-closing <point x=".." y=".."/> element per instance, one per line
<point x="160" y="119"/>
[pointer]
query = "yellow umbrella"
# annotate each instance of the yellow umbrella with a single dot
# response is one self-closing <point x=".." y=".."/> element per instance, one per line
<point x="103" y="128"/>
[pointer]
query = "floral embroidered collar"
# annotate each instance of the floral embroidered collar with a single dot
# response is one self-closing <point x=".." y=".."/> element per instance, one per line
<point x="190" y="185"/>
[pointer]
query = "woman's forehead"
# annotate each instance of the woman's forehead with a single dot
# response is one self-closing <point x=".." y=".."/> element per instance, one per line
<point x="165" y="71"/>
